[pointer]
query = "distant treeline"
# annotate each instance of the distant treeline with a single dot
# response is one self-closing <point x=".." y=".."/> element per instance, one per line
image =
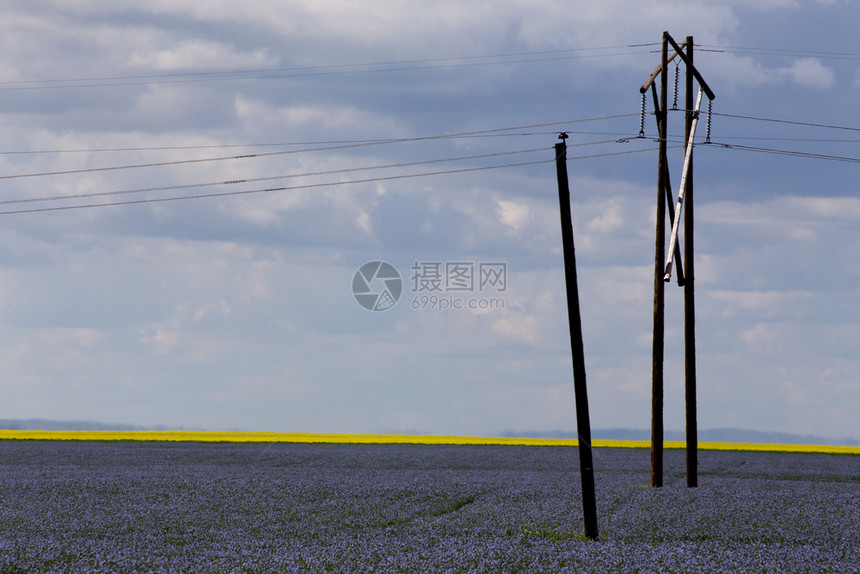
<point x="44" y="424"/>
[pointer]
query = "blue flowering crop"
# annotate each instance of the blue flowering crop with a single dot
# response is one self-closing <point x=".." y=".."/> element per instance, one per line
<point x="197" y="507"/>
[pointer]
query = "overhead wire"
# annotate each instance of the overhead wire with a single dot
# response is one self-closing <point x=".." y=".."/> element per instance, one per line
<point x="390" y="66"/>
<point x="302" y="71"/>
<point x="761" y="149"/>
<point x="386" y="66"/>
<point x="793" y="153"/>
<point x="344" y="144"/>
<point x="787" y="139"/>
<point x="287" y="144"/>
<point x="788" y="122"/>
<point x="489" y="59"/>
<point x="786" y="152"/>
<point x="315" y="185"/>
<point x="274" y="177"/>
<point x="782" y="52"/>
<point x="474" y="133"/>
<point x="177" y="147"/>
<point x="739" y="147"/>
<point x="777" y="151"/>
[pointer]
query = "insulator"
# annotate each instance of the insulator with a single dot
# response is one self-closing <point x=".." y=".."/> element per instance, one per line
<point x="675" y="100"/>
<point x="708" y="132"/>
<point x="642" y="119"/>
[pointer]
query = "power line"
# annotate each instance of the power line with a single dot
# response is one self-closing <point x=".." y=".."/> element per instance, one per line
<point x="793" y="153"/>
<point x="276" y="177"/>
<point x="178" y="147"/>
<point x="785" y="139"/>
<point x="287" y="144"/>
<point x="384" y="66"/>
<point x="775" y="120"/>
<point x="789" y="122"/>
<point x="271" y="189"/>
<point x="291" y="176"/>
<point x="312" y="185"/>
<point x="783" y="52"/>
<point x="302" y="71"/>
<point x="774" y="151"/>
<point x="475" y="133"/>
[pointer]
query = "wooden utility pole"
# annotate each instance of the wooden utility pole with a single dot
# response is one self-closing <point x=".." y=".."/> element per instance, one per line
<point x="659" y="290"/>
<point x="689" y="295"/>
<point x="662" y="268"/>
<point x="583" y="422"/>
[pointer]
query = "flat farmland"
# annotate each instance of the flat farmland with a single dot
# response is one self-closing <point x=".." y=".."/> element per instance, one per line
<point x="80" y="506"/>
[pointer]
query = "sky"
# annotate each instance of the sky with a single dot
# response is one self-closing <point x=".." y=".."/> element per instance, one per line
<point x="192" y="193"/>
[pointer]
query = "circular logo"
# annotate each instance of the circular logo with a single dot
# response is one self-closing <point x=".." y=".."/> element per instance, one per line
<point x="377" y="286"/>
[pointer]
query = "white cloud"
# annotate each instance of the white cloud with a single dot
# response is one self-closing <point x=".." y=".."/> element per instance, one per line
<point x="196" y="55"/>
<point x="760" y="304"/>
<point x="802" y="219"/>
<point x="760" y="338"/>
<point x="809" y="72"/>
<point x="825" y="208"/>
<point x="245" y="301"/>
<point x="593" y="25"/>
<point x="522" y="328"/>
<point x="608" y="220"/>
<point x="513" y="214"/>
<point x="161" y="340"/>
<point x="80" y="336"/>
<point x="736" y="71"/>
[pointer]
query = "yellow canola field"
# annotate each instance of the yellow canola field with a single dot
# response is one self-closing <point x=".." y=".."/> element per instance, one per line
<point x="271" y="437"/>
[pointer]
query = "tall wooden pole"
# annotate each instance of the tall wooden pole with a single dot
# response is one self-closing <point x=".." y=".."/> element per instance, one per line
<point x="689" y="298"/>
<point x="583" y="422"/>
<point x="659" y="291"/>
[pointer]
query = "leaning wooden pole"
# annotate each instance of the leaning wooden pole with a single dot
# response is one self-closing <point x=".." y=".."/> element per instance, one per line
<point x="689" y="298"/>
<point x="659" y="291"/>
<point x="583" y="422"/>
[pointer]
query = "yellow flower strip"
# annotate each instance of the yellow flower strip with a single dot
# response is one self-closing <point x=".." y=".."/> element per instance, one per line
<point x="271" y="437"/>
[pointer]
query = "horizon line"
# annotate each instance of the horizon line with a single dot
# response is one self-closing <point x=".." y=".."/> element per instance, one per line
<point x="367" y="438"/>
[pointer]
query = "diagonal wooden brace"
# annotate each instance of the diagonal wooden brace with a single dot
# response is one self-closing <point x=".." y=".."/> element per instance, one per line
<point x="688" y="158"/>
<point x="667" y="188"/>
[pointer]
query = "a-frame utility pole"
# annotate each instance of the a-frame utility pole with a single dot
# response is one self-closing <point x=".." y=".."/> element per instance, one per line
<point x="662" y="268"/>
